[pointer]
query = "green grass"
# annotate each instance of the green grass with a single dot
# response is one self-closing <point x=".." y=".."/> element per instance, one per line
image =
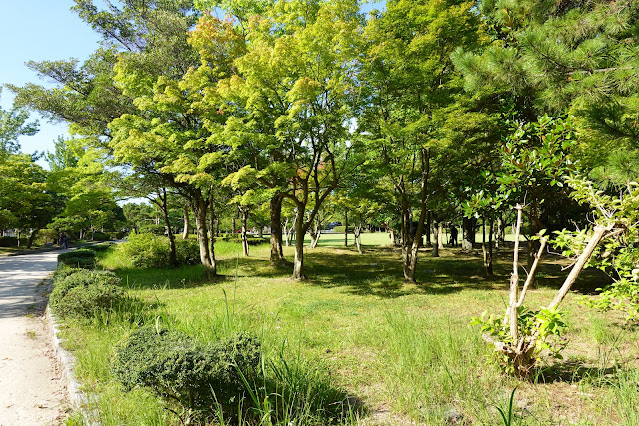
<point x="400" y="353"/>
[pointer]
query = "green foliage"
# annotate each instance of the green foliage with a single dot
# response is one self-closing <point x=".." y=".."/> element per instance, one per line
<point x="153" y="229"/>
<point x="187" y="251"/>
<point x="341" y="228"/>
<point x="81" y="258"/>
<point x="618" y="254"/>
<point x="546" y="325"/>
<point x="152" y="251"/>
<point x="252" y="240"/>
<point x="82" y="293"/>
<point x="8" y="241"/>
<point x="146" y="250"/>
<point x="13" y="123"/>
<point x="192" y="378"/>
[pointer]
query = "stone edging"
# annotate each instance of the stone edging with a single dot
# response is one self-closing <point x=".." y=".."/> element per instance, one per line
<point x="77" y="398"/>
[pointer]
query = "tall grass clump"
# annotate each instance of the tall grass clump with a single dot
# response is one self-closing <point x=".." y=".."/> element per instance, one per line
<point x="437" y="364"/>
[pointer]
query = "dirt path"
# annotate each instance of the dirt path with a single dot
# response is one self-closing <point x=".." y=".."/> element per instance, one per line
<point x="31" y="389"/>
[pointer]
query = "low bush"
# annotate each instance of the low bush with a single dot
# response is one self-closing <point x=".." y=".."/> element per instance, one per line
<point x="83" y="293"/>
<point x="102" y="247"/>
<point x="100" y="236"/>
<point x="8" y="241"/>
<point x="341" y="228"/>
<point x="187" y="251"/>
<point x="152" y="251"/>
<point x="152" y="229"/>
<point x="146" y="250"/>
<point x="237" y="238"/>
<point x="193" y="379"/>
<point x="80" y="258"/>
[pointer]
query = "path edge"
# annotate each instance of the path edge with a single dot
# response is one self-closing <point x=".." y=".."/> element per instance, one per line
<point x="77" y="399"/>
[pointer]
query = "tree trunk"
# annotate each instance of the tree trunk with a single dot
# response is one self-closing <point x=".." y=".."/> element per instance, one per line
<point x="357" y="232"/>
<point x="298" y="262"/>
<point x="210" y="230"/>
<point x="199" y="210"/>
<point x="187" y="223"/>
<point x="32" y="237"/>
<point x="440" y="237"/>
<point x="429" y="227"/>
<point x="468" y="234"/>
<point x="162" y="204"/>
<point x="233" y="228"/>
<point x="500" y="232"/>
<point x="345" y="227"/>
<point x="412" y="266"/>
<point x="435" y="247"/>
<point x="245" y="246"/>
<point x="277" y="253"/>
<point x="315" y="234"/>
<point x="487" y="249"/>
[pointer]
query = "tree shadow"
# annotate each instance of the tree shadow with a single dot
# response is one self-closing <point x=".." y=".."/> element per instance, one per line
<point x="572" y="371"/>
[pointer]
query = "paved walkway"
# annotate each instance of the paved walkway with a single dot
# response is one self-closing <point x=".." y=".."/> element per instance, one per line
<point x="32" y="391"/>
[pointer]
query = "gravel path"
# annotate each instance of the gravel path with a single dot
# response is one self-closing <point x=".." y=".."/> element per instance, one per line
<point x="32" y="391"/>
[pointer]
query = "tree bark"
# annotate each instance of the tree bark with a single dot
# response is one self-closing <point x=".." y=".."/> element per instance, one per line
<point x="167" y="223"/>
<point x="412" y="265"/>
<point x="435" y="248"/>
<point x="298" y="262"/>
<point x="199" y="207"/>
<point x="468" y="234"/>
<point x="345" y="227"/>
<point x="277" y="253"/>
<point x="187" y="223"/>
<point x="487" y="249"/>
<point x="32" y="237"/>
<point x="245" y="247"/>
<point x="440" y="236"/>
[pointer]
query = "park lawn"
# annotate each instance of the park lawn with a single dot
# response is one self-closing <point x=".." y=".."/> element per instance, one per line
<point x="401" y="353"/>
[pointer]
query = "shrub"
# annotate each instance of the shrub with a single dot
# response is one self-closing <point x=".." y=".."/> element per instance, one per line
<point x="146" y="250"/>
<point x="192" y="379"/>
<point x="81" y="258"/>
<point x="237" y="238"/>
<point x="102" y="247"/>
<point x="152" y="229"/>
<point x="83" y="293"/>
<point x="341" y="228"/>
<point x="8" y="241"/>
<point x="187" y="251"/>
<point x="100" y="236"/>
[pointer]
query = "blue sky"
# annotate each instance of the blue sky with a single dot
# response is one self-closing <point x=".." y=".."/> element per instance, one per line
<point x="39" y="30"/>
<point x="46" y="30"/>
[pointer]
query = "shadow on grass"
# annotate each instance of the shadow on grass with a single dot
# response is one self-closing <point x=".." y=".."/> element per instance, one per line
<point x="573" y="371"/>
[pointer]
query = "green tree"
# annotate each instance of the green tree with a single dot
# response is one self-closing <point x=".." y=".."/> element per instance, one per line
<point x="13" y="124"/>
<point x="410" y="83"/>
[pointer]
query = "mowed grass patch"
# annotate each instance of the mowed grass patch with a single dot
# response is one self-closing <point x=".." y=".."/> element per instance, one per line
<point x="404" y="353"/>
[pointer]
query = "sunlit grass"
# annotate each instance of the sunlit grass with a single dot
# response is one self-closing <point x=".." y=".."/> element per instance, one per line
<point x="402" y="352"/>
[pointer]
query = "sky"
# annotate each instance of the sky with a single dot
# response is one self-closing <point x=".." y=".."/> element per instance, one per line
<point x="40" y="30"/>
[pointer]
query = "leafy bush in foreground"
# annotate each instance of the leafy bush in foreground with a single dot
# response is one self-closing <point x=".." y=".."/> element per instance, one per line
<point x="83" y="293"/>
<point x="193" y="379"/>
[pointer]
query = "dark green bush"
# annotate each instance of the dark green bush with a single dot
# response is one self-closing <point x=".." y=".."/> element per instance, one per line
<point x="102" y="247"/>
<point x="341" y="228"/>
<point x="83" y="293"/>
<point x="100" y="236"/>
<point x="80" y="258"/>
<point x="237" y="238"/>
<point x="192" y="378"/>
<point x="152" y="229"/>
<point x="187" y="251"/>
<point x="8" y="241"/>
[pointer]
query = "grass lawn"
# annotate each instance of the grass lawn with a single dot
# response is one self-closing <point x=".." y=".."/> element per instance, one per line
<point x="400" y="354"/>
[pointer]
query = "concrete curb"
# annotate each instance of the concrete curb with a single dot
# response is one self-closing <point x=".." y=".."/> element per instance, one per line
<point x="77" y="398"/>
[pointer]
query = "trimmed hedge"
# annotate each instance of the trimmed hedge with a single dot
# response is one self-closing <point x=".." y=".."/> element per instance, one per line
<point x="8" y="241"/>
<point x="80" y="258"/>
<point x="83" y="293"/>
<point x="192" y="378"/>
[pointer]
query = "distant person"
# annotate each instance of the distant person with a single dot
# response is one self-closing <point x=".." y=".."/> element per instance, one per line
<point x="453" y="235"/>
<point x="64" y="241"/>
